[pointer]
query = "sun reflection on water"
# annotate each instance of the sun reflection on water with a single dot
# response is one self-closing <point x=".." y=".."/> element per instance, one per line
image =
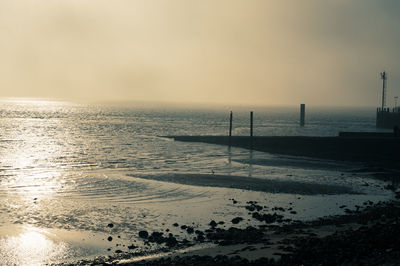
<point x="30" y="178"/>
<point x="31" y="158"/>
<point x="30" y="246"/>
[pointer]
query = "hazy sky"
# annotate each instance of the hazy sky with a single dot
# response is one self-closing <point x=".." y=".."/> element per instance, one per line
<point x="262" y="52"/>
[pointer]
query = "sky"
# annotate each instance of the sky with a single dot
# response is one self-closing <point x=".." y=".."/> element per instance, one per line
<point x="246" y="52"/>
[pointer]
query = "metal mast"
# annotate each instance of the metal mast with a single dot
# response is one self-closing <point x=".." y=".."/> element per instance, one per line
<point x="383" y="77"/>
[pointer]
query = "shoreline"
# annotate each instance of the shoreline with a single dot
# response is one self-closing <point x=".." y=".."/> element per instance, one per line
<point x="361" y="235"/>
<point x="366" y="236"/>
<point x="357" y="236"/>
<point x="131" y="244"/>
<point x="253" y="184"/>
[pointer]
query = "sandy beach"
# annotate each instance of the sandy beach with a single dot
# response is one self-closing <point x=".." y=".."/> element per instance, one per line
<point x="365" y="234"/>
<point x="367" y="237"/>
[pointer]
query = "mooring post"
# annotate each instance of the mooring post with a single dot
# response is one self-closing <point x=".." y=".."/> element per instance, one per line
<point x="230" y="124"/>
<point x="251" y="130"/>
<point x="251" y="124"/>
<point x="230" y="128"/>
<point x="302" y="114"/>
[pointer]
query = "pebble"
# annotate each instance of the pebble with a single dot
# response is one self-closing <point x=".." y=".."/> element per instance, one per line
<point x="237" y="220"/>
<point x="143" y="234"/>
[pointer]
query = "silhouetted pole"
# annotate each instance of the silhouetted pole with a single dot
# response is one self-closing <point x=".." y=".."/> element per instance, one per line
<point x="383" y="77"/>
<point x="251" y="124"/>
<point x="302" y="114"/>
<point x="251" y="130"/>
<point x="230" y="128"/>
<point x="230" y="124"/>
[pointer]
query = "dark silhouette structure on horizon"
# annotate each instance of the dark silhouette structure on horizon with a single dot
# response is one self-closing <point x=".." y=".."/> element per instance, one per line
<point x="302" y="114"/>
<point x="386" y="118"/>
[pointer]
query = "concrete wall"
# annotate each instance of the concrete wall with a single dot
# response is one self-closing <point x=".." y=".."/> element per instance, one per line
<point x="387" y="119"/>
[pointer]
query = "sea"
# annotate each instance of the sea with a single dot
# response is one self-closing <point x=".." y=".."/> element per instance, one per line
<point x="79" y="181"/>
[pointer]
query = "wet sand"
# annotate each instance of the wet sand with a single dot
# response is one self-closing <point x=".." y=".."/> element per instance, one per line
<point x="172" y="226"/>
<point x="265" y="235"/>
<point x="368" y="236"/>
<point x="253" y="184"/>
<point x="365" y="234"/>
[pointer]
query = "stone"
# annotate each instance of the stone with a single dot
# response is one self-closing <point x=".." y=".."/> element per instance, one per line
<point x="143" y="234"/>
<point x="237" y="220"/>
<point x="213" y="223"/>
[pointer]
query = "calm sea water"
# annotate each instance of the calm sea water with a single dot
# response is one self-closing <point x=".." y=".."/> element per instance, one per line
<point x="67" y="170"/>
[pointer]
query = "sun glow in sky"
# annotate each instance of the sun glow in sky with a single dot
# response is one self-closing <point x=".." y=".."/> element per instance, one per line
<point x="260" y="52"/>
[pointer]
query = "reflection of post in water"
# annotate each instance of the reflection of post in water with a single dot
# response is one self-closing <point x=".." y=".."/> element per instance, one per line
<point x="229" y="155"/>
<point x="229" y="160"/>
<point x="250" y="163"/>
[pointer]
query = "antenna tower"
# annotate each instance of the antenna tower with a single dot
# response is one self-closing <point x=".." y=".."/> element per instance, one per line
<point x="384" y="78"/>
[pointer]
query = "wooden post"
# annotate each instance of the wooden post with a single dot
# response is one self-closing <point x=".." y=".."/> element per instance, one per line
<point x="230" y="128"/>
<point x="302" y="114"/>
<point x="230" y="124"/>
<point x="251" y="124"/>
<point x="251" y="130"/>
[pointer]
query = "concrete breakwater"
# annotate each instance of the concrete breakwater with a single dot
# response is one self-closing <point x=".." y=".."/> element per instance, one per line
<point x="368" y="149"/>
<point x="387" y="119"/>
